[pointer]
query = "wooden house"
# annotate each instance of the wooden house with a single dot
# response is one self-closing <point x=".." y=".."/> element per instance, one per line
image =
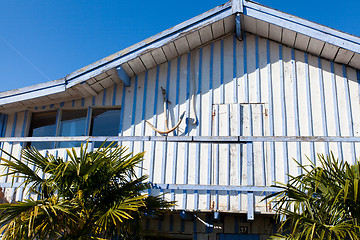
<point x="252" y="88"/>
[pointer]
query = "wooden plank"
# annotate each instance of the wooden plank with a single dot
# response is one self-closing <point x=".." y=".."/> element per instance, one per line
<point x="262" y="28"/>
<point x="302" y="42"/>
<point x="344" y="56"/>
<point x="206" y="34"/>
<point x="288" y="37"/>
<point x="249" y="24"/>
<point x="101" y="76"/>
<point x="275" y="33"/>
<point x="229" y="24"/>
<point x="107" y="82"/>
<point x="329" y="51"/>
<point x="148" y="60"/>
<point x="159" y="55"/>
<point x="182" y="45"/>
<point x="218" y="28"/>
<point x="355" y="61"/>
<point x="127" y="69"/>
<point x="194" y="40"/>
<point x="315" y="46"/>
<point x="170" y="51"/>
<point x="137" y="65"/>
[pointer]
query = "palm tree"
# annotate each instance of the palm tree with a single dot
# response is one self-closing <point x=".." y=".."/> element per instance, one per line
<point x="321" y="203"/>
<point x="94" y="195"/>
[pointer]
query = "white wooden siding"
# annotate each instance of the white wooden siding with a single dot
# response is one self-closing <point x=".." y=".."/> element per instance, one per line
<point x="265" y="89"/>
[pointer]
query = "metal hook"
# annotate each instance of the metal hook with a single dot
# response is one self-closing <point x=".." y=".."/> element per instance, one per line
<point x="166" y="119"/>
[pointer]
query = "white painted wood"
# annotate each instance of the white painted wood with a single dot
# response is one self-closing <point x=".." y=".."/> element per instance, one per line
<point x="194" y="40"/>
<point x="315" y="46"/>
<point x="262" y="28"/>
<point x="128" y="69"/>
<point x="170" y="51"/>
<point x="302" y="42"/>
<point x="355" y="61"/>
<point x="206" y="34"/>
<point x="250" y="24"/>
<point x="218" y="28"/>
<point x="329" y="51"/>
<point x="159" y="55"/>
<point x="344" y="56"/>
<point x="182" y="45"/>
<point x="229" y="24"/>
<point x="288" y="37"/>
<point x="137" y="65"/>
<point x="275" y="33"/>
<point x="148" y="60"/>
<point x="107" y="82"/>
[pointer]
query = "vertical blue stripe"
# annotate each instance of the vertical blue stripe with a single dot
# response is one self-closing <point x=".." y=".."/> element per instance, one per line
<point x="283" y="111"/>
<point x="114" y="95"/>
<point x="82" y="102"/>
<point x="61" y="104"/>
<point x="23" y="126"/>
<point x="143" y="120"/>
<point x="245" y="71"/>
<point x="88" y="120"/>
<point x="104" y="97"/>
<point x="296" y="108"/>
<point x="93" y="100"/>
<point x="211" y="93"/>
<point x="133" y="114"/>
<point x="235" y="80"/>
<point x="122" y="111"/>
<point x="57" y="125"/>
<point x="336" y="109"/>
<point x="14" y="126"/>
<point x="52" y="105"/>
<point x="271" y="113"/>
<point x="153" y="143"/>
<point x="309" y="107"/>
<point x="73" y="103"/>
<point x="323" y="109"/>
<point x="349" y="111"/>
<point x="217" y="157"/>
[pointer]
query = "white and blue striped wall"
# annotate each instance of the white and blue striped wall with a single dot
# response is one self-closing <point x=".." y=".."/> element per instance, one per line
<point x="254" y="87"/>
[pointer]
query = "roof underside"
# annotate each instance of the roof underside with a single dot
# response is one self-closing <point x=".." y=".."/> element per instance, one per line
<point x="257" y="19"/>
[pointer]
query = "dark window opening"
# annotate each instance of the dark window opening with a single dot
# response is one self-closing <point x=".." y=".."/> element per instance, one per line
<point x="43" y="125"/>
<point x="104" y="122"/>
<point x="73" y="123"/>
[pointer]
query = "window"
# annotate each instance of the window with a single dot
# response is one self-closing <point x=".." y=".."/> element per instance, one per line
<point x="103" y="122"/>
<point x="73" y="123"/>
<point x="43" y="125"/>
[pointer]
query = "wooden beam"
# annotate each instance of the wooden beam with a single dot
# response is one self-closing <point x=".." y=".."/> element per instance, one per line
<point x="124" y="77"/>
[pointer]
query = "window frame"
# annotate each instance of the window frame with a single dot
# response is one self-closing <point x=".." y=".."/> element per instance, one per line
<point x="59" y="114"/>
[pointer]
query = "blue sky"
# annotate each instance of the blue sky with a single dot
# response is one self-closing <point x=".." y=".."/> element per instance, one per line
<point x="46" y="40"/>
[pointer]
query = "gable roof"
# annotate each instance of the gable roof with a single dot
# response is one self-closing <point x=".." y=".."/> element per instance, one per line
<point x="241" y="15"/>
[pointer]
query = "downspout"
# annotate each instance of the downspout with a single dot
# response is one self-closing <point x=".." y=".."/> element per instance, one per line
<point x="237" y="7"/>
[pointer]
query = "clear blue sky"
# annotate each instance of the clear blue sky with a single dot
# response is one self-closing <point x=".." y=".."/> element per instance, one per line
<point x="46" y="40"/>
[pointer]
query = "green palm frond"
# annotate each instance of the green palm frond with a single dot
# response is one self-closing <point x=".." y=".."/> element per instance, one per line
<point x="322" y="203"/>
<point x="93" y="195"/>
